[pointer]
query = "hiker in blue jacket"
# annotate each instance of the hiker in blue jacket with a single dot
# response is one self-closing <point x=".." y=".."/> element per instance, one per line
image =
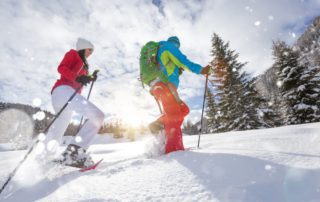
<point x="172" y="63"/>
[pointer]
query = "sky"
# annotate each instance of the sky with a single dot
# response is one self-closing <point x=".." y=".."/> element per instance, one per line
<point x="36" y="34"/>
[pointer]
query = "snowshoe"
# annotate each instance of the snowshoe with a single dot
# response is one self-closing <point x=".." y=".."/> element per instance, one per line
<point x="75" y="156"/>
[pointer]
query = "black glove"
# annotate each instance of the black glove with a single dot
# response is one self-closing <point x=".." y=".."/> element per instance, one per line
<point x="84" y="79"/>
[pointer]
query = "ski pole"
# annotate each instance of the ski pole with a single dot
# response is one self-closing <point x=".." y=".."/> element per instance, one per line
<point x="11" y="175"/>
<point x="204" y="101"/>
<point x="93" y="75"/>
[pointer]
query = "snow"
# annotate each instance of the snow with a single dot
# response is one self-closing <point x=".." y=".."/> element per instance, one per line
<point x="6" y="147"/>
<point x="36" y="102"/>
<point x="270" y="17"/>
<point x="279" y="84"/>
<point x="303" y="106"/>
<point x="279" y="165"/>
<point x="257" y="23"/>
<point x="40" y="115"/>
<point x="301" y="88"/>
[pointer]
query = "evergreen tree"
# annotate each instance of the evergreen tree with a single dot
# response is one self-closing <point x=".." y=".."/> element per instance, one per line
<point x="190" y="128"/>
<point x="118" y="129"/>
<point x="237" y="101"/>
<point x="187" y="128"/>
<point x="211" y="112"/>
<point x="307" y="108"/>
<point x="263" y="111"/>
<point x="298" y="86"/>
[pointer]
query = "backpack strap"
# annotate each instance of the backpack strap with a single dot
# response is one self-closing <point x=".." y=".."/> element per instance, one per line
<point x="140" y="79"/>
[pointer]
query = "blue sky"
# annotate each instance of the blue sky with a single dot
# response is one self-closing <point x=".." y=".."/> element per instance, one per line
<point x="36" y="34"/>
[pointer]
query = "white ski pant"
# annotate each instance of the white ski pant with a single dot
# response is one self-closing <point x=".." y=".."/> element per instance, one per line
<point x="79" y="105"/>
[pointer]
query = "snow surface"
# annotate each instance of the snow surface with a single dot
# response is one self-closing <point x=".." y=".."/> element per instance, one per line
<point x="271" y="165"/>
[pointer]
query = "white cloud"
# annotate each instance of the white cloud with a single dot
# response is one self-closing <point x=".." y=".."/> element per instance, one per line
<point x="38" y="33"/>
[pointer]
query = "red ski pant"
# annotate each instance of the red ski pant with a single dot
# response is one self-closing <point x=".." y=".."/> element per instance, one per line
<point x="173" y="112"/>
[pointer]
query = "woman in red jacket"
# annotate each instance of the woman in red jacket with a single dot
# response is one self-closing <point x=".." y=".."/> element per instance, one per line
<point x="74" y="70"/>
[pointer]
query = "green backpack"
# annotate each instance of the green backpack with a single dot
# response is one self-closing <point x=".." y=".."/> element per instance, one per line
<point x="149" y="66"/>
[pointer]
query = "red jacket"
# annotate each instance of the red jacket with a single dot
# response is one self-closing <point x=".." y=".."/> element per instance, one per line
<point x="70" y="68"/>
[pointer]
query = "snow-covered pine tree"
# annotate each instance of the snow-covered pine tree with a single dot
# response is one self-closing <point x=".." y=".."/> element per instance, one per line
<point x="298" y="86"/>
<point x="309" y="46"/>
<point x="219" y="81"/>
<point x="286" y="62"/>
<point x="260" y="107"/>
<point x="211" y="112"/>
<point x="308" y="94"/>
<point x="237" y="101"/>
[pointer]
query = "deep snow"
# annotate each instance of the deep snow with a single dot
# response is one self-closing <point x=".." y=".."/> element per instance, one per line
<point x="270" y="165"/>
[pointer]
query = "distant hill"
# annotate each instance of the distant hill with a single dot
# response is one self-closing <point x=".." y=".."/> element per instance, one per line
<point x="22" y="120"/>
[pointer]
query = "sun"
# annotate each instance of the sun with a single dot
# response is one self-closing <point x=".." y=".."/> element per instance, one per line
<point x="132" y="115"/>
<point x="132" y="110"/>
<point x="133" y="121"/>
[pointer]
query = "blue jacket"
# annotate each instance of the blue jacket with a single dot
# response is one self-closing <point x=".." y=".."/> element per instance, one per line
<point x="171" y="58"/>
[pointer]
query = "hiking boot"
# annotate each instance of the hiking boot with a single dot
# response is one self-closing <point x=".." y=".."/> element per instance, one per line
<point x="155" y="127"/>
<point x="76" y="156"/>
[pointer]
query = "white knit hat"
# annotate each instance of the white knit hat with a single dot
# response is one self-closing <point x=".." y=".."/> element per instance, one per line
<point x="83" y="44"/>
